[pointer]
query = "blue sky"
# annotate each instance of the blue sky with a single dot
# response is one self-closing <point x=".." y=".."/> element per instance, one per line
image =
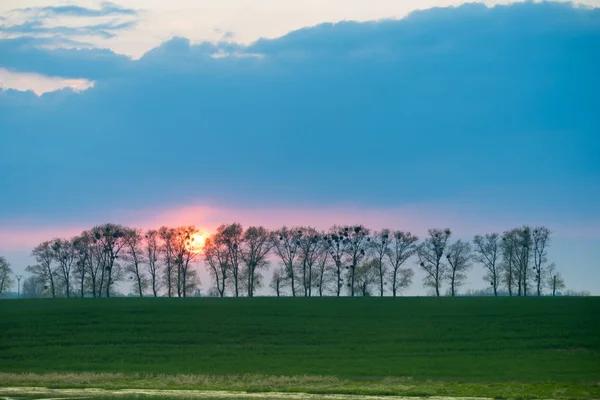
<point x="475" y="117"/>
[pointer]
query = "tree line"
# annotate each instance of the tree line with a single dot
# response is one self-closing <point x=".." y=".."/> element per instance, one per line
<point x="345" y="260"/>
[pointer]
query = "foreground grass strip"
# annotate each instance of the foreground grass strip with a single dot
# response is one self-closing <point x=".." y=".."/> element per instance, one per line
<point x="96" y="393"/>
<point x="313" y="385"/>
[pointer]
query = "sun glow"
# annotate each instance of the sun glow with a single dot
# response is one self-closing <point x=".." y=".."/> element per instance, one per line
<point x="197" y="242"/>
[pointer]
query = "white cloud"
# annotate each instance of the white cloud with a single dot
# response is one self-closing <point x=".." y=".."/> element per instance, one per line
<point x="40" y="84"/>
<point x="206" y="20"/>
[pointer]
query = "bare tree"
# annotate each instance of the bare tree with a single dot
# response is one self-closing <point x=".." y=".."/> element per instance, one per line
<point x="6" y="280"/>
<point x="44" y="270"/>
<point x="380" y="246"/>
<point x="309" y="246"/>
<point x="324" y="274"/>
<point x="256" y="246"/>
<point x="216" y="256"/>
<point x="279" y="280"/>
<point x="185" y="251"/>
<point x="487" y="253"/>
<point x="430" y="254"/>
<point x="366" y="276"/>
<point x="83" y="258"/>
<point x="509" y="248"/>
<point x="523" y="258"/>
<point x="152" y="250"/>
<point x="459" y="258"/>
<point x="403" y="245"/>
<point x="555" y="280"/>
<point x="541" y="240"/>
<point x="286" y="244"/>
<point x="110" y="238"/>
<point x="33" y="287"/>
<point x="97" y="265"/>
<point x="357" y="244"/>
<point x="336" y="245"/>
<point x="134" y="257"/>
<point x="167" y="235"/>
<point x="232" y="236"/>
<point x="64" y="254"/>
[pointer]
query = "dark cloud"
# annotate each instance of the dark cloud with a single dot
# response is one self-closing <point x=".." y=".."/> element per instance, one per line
<point x="442" y="103"/>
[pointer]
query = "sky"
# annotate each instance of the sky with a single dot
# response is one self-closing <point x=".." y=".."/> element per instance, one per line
<point x="400" y="114"/>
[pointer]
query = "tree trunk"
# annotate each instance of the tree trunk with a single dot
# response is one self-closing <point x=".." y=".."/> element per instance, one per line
<point x="293" y="281"/>
<point x="52" y="283"/>
<point x="380" y="277"/>
<point x="109" y="282"/>
<point x="67" y="279"/>
<point x="310" y="281"/>
<point x="154" y="284"/>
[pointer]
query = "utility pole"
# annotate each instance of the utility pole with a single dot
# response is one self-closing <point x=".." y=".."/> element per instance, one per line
<point x="19" y="285"/>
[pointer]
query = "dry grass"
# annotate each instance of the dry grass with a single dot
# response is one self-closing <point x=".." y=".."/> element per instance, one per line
<point x="91" y="393"/>
<point x="266" y="385"/>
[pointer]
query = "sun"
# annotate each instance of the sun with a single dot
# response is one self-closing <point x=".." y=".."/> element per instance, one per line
<point x="197" y="242"/>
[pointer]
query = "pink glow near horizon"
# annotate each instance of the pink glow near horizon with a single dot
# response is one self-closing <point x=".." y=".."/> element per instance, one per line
<point x="416" y="218"/>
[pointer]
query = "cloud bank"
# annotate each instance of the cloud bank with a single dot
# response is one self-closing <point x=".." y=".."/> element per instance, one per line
<point x="449" y="104"/>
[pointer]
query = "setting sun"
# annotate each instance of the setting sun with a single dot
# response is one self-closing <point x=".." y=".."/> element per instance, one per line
<point x="198" y="242"/>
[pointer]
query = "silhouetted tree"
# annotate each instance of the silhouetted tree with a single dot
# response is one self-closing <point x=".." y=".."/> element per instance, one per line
<point x="459" y="259"/>
<point x="185" y="252"/>
<point x="167" y="236"/>
<point x="83" y="261"/>
<point x="6" y="280"/>
<point x="33" y="287"/>
<point x="152" y="250"/>
<point x="232" y="236"/>
<point x="133" y="255"/>
<point x="256" y="245"/>
<point x="509" y="246"/>
<point x="366" y="276"/>
<point x="44" y="255"/>
<point x="286" y="244"/>
<point x="430" y="254"/>
<point x="97" y="264"/>
<point x="308" y="251"/>
<point x="110" y="238"/>
<point x="324" y="272"/>
<point x="540" y="242"/>
<point x="279" y="280"/>
<point x="216" y="256"/>
<point x="487" y="253"/>
<point x="555" y="281"/>
<point x="357" y="244"/>
<point x="336" y="245"/>
<point x="64" y="254"/>
<point x="403" y="245"/>
<point x="523" y="257"/>
<point x="380" y="246"/>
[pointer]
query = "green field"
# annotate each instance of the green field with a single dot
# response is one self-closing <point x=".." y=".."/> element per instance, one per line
<point x="460" y="346"/>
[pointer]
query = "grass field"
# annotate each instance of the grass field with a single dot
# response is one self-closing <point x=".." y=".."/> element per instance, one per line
<point x="417" y="346"/>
